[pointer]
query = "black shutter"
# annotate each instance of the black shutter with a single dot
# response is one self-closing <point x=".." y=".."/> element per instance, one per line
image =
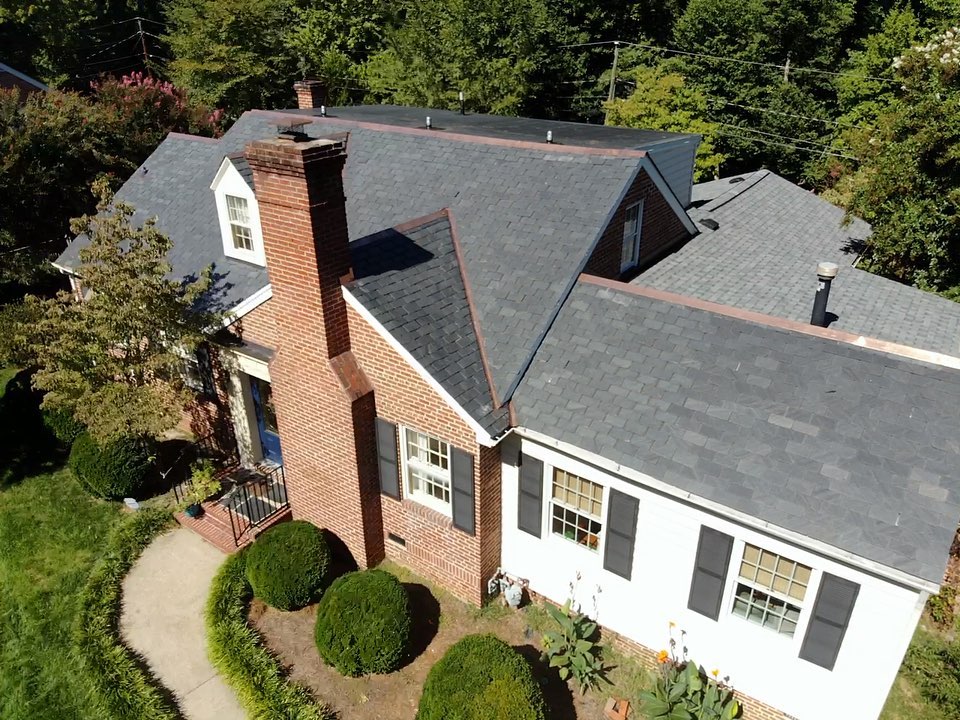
<point x="530" y="500"/>
<point x="205" y="370"/>
<point x="710" y="572"/>
<point x="461" y="495"/>
<point x="621" y="533"/>
<point x="387" y="458"/>
<point x="828" y="622"/>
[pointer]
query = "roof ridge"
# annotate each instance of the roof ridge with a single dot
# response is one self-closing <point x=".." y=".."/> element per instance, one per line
<point x="737" y="190"/>
<point x="474" y="320"/>
<point x="861" y="341"/>
<point x="437" y="133"/>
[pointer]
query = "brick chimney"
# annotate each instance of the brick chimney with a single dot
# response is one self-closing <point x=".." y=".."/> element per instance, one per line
<point x="310" y="93"/>
<point x="324" y="402"/>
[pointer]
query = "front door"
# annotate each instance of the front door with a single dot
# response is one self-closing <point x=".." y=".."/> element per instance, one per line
<point x="266" y="420"/>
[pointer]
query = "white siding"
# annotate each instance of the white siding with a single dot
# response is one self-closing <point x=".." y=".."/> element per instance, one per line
<point x="759" y="662"/>
<point x="675" y="161"/>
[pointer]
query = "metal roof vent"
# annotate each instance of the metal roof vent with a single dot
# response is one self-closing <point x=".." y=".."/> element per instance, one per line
<point x="429" y="123"/>
<point x="293" y="132"/>
<point x="826" y="272"/>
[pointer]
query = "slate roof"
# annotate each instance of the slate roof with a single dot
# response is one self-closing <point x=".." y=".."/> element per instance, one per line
<point x="850" y="446"/>
<point x="504" y="127"/>
<point x="411" y="282"/>
<point x="520" y="253"/>
<point x="764" y="254"/>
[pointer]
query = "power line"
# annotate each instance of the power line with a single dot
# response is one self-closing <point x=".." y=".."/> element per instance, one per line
<point x="754" y="138"/>
<point x="119" y="42"/>
<point x="723" y="58"/>
<point x="785" y="114"/>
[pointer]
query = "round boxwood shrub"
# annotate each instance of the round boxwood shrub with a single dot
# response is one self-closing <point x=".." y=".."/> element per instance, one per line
<point x="481" y="678"/>
<point x="63" y="425"/>
<point x="114" y="470"/>
<point x="363" y="623"/>
<point x="288" y="565"/>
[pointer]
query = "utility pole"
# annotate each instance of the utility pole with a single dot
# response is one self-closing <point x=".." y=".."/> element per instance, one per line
<point x="612" y="92"/>
<point x="143" y="45"/>
<point x="786" y="69"/>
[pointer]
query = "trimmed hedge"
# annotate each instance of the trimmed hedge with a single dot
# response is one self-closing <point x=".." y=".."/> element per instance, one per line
<point x="288" y="565"/>
<point x="238" y="653"/>
<point x="63" y="425"/>
<point x="363" y="624"/>
<point x="481" y="678"/>
<point x="112" y="471"/>
<point x="126" y="690"/>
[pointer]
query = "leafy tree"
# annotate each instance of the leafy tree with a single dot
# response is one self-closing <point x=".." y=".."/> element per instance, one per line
<point x="764" y="119"/>
<point x="233" y="54"/>
<point x="662" y="100"/>
<point x="908" y="182"/>
<point x="114" y="360"/>
<point x="332" y="40"/>
<point x="56" y="144"/>
<point x="492" y="50"/>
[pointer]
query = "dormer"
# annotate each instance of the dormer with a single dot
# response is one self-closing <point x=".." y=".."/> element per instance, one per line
<point x="237" y="211"/>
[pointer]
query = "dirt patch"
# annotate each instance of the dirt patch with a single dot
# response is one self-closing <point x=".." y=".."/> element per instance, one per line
<point x="439" y="621"/>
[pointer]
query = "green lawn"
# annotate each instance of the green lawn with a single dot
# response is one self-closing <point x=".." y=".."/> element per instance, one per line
<point x="50" y="534"/>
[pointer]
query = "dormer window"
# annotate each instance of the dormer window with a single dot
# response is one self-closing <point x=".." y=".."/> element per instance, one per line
<point x="238" y="211"/>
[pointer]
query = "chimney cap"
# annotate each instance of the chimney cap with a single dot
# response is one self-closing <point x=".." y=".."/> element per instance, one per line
<point x="827" y="270"/>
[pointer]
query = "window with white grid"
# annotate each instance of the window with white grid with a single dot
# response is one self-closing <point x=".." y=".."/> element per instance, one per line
<point x="770" y="590"/>
<point x="238" y="214"/>
<point x="576" y="509"/>
<point x="427" y="466"/>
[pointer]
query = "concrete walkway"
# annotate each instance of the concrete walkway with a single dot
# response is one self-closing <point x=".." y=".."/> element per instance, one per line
<point x="164" y="595"/>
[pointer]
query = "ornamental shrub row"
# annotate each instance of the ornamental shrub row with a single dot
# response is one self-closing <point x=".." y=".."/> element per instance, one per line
<point x="238" y="653"/>
<point x="126" y="690"/>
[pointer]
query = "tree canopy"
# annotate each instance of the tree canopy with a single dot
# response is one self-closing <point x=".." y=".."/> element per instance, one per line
<point x="115" y="360"/>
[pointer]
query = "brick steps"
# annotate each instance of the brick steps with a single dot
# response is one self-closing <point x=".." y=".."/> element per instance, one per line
<point x="214" y="526"/>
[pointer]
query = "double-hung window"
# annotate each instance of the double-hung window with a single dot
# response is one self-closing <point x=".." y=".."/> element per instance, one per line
<point x="576" y="509"/>
<point x="238" y="214"/>
<point x="426" y="464"/>
<point x="770" y="590"/>
<point x="633" y="220"/>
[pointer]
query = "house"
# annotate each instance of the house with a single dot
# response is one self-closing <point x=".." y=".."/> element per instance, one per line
<point x="11" y="79"/>
<point x="434" y="335"/>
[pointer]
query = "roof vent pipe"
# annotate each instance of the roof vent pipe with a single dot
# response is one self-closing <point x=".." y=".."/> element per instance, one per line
<point x="429" y="124"/>
<point x="826" y="272"/>
<point x="323" y="111"/>
<point x="463" y="107"/>
<point x="549" y="136"/>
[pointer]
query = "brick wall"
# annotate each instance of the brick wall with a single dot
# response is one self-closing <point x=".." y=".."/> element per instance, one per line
<point x="453" y="559"/>
<point x="660" y="232"/>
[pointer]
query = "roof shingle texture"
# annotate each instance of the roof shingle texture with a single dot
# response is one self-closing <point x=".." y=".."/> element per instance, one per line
<point x="411" y="283"/>
<point x="526" y="217"/>
<point x="845" y="445"/>
<point x="764" y="255"/>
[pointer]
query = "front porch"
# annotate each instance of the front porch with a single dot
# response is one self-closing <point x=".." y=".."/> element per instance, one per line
<point x="252" y="500"/>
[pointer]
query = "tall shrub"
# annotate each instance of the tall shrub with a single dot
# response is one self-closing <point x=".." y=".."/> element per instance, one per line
<point x="288" y="565"/>
<point x="114" y="470"/>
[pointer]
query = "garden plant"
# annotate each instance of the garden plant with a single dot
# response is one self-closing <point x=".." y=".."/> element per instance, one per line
<point x="289" y="565"/>
<point x="112" y="470"/>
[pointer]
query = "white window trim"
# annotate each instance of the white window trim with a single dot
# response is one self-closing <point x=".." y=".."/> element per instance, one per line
<point x="445" y="508"/>
<point x="637" y="239"/>
<point x="761" y="633"/>
<point x="228" y="181"/>
<point x="605" y="490"/>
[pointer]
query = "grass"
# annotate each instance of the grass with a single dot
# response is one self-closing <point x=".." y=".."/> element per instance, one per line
<point x="52" y="534"/>
<point x="906" y="700"/>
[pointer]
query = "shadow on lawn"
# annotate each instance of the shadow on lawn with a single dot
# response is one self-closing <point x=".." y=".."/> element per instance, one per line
<point x="556" y="692"/>
<point x="28" y="447"/>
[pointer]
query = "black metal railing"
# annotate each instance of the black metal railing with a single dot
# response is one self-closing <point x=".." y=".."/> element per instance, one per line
<point x="256" y="501"/>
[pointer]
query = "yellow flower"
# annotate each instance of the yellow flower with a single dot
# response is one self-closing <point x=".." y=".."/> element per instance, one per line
<point x="663" y="656"/>
<point x="715" y="672"/>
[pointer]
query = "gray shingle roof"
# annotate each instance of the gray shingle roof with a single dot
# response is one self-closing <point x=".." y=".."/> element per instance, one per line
<point x="764" y="254"/>
<point x="173" y="184"/>
<point x="846" y="445"/>
<point x="411" y="282"/>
